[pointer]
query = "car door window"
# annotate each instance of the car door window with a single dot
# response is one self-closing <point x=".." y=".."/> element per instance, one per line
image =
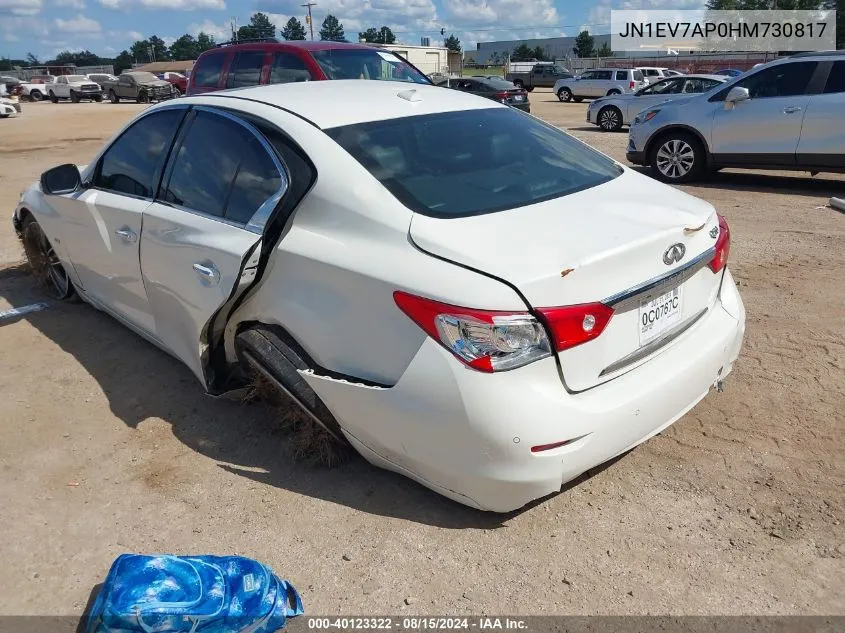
<point x="588" y="75"/>
<point x="695" y="85"/>
<point x="665" y="87"/>
<point x="621" y="75"/>
<point x="783" y="80"/>
<point x="208" y="73"/>
<point x="288" y="68"/>
<point x="604" y="74"/>
<point x="245" y="69"/>
<point x="222" y="170"/>
<point x="836" y="78"/>
<point x="133" y="163"/>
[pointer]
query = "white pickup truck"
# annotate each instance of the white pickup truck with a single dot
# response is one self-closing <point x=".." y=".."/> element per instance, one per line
<point x="73" y="87"/>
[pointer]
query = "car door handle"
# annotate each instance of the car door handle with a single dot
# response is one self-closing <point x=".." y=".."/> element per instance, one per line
<point x="208" y="273"/>
<point x="127" y="235"/>
<point x="792" y="109"/>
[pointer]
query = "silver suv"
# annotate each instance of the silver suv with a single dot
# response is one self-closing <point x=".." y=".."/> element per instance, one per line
<point x="600" y="82"/>
<point x="786" y="114"/>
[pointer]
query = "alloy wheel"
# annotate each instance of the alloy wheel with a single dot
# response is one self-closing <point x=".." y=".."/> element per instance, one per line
<point x="675" y="159"/>
<point x="48" y="271"/>
<point x="610" y="120"/>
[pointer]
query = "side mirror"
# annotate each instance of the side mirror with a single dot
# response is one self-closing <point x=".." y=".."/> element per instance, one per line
<point x="736" y="95"/>
<point x="61" y="179"/>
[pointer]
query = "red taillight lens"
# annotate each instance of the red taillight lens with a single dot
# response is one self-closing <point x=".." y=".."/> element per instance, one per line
<point x="487" y="340"/>
<point x="632" y="84"/>
<point x="574" y="325"/>
<point x="723" y="246"/>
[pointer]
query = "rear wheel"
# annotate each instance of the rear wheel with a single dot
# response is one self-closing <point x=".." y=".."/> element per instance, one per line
<point x="275" y="356"/>
<point x="610" y="119"/>
<point x="49" y="272"/>
<point x="113" y="97"/>
<point x="36" y="95"/>
<point x="565" y="95"/>
<point x="677" y="157"/>
<point x="53" y="97"/>
<point x="518" y="83"/>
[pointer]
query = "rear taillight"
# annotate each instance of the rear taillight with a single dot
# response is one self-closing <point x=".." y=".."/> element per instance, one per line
<point x="574" y="325"/>
<point x="502" y="96"/>
<point x="486" y="340"/>
<point x="723" y="246"/>
<point x="632" y="85"/>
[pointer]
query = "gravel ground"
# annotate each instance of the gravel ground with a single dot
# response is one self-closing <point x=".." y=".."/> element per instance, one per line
<point x="110" y="446"/>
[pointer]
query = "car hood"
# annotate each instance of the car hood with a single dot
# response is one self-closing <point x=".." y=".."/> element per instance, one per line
<point x="154" y="84"/>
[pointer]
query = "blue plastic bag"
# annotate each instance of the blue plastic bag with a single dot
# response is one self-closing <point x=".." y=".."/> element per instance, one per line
<point x="192" y="594"/>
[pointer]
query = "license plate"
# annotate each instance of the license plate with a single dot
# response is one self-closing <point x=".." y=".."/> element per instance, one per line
<point x="659" y="315"/>
<point x="519" y="98"/>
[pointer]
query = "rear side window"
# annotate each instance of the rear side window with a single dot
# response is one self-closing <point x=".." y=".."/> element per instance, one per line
<point x="836" y="78"/>
<point x="207" y="75"/>
<point x="621" y="75"/>
<point x="221" y="169"/>
<point x="133" y="162"/>
<point x="288" y="68"/>
<point x="498" y="159"/>
<point x="638" y="76"/>
<point x="245" y="69"/>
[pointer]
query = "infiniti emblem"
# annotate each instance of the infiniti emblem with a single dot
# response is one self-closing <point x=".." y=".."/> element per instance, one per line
<point x="674" y="254"/>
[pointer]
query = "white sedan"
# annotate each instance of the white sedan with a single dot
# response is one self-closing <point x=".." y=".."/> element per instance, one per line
<point x="465" y="294"/>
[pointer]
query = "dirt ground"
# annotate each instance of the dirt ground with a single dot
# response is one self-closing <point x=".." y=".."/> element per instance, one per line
<point x="110" y="446"/>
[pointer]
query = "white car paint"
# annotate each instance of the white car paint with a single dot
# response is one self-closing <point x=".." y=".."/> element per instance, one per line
<point x="402" y="399"/>
<point x="7" y="108"/>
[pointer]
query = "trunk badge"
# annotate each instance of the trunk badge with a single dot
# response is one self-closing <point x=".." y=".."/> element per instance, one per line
<point x="674" y="254"/>
<point x="714" y="232"/>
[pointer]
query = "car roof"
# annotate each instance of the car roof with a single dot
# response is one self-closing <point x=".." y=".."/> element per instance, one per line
<point x="363" y="101"/>
<point x="319" y="45"/>
<point x="700" y="76"/>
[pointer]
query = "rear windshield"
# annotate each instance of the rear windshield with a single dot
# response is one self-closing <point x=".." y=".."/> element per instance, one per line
<point x="367" y="64"/>
<point x="457" y="164"/>
<point x="497" y="84"/>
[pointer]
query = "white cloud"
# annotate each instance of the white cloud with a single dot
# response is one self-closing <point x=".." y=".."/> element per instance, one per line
<point x="20" y="7"/>
<point x="10" y="37"/>
<point x="179" y="5"/>
<point x="73" y="4"/>
<point x="79" y="24"/>
<point x="220" y="32"/>
<point x="513" y="13"/>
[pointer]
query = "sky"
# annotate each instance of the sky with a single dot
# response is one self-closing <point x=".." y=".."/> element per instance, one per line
<point x="105" y="27"/>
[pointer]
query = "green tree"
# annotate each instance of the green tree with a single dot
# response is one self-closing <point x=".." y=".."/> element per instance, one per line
<point x="839" y="7"/>
<point x="378" y="36"/>
<point x="494" y="57"/>
<point x="522" y="53"/>
<point x="604" y="51"/>
<point x="259" y="27"/>
<point x="32" y="60"/>
<point x="452" y="43"/>
<point x="332" y="30"/>
<point x="293" y="30"/>
<point x="122" y="62"/>
<point x="184" y="48"/>
<point x="204" y="42"/>
<point x="540" y="54"/>
<point x="149" y="50"/>
<point x="81" y="58"/>
<point x="585" y="45"/>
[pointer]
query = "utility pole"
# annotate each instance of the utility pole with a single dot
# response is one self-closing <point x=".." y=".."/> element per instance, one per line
<point x="310" y="21"/>
<point x="234" y="25"/>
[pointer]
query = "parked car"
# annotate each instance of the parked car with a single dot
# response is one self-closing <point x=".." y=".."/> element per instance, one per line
<point x="73" y="87"/>
<point x="539" y="76"/>
<point x="101" y="78"/>
<point x="611" y="113"/>
<point x="672" y="73"/>
<point x="784" y="115"/>
<point x="35" y="88"/>
<point x="142" y="87"/>
<point x="178" y="81"/>
<point x="497" y="89"/>
<point x="272" y="62"/>
<point x="9" y="107"/>
<point x="653" y="74"/>
<point x="599" y="83"/>
<point x="729" y="72"/>
<point x="329" y="248"/>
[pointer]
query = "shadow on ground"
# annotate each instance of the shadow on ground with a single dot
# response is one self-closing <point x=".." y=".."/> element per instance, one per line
<point x="142" y="382"/>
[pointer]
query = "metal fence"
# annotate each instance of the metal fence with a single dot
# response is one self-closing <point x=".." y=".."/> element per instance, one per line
<point x="686" y="63"/>
<point x="28" y="73"/>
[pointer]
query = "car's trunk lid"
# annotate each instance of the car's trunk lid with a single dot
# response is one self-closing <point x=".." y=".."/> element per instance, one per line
<point x="603" y="244"/>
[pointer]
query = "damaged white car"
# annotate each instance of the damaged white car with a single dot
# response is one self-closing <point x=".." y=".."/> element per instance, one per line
<point x="465" y="294"/>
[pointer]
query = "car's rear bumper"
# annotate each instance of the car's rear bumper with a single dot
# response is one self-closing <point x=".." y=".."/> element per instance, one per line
<point x="468" y="435"/>
<point x="525" y="107"/>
